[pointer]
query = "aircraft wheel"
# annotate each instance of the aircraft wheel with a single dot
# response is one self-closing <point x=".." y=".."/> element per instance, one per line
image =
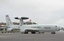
<point x="25" y="32"/>
<point x="43" y="32"/>
<point x="39" y="32"/>
<point x="5" y="32"/>
<point x="8" y="32"/>
<point x="52" y="32"/>
<point x="33" y="32"/>
<point x="2" y="32"/>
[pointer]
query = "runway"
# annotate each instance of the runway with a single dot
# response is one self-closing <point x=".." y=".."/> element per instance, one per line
<point x="59" y="36"/>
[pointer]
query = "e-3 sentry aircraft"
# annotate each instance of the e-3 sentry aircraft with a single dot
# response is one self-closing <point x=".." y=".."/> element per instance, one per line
<point x="38" y="28"/>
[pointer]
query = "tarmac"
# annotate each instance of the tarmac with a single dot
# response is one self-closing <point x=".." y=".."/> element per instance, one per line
<point x="59" y="36"/>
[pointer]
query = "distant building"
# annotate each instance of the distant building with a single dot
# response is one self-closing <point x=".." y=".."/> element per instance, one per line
<point x="16" y="23"/>
<point x="3" y="25"/>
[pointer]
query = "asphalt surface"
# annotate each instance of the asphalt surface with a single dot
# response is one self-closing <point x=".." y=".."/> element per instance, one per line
<point x="59" y="36"/>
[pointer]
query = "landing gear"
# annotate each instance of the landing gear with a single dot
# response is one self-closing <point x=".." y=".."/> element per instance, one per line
<point x="39" y="32"/>
<point x="43" y="32"/>
<point x="52" y="32"/>
<point x="24" y="32"/>
<point x="33" y="32"/>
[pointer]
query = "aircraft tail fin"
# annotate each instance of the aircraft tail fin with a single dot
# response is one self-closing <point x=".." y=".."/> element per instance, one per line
<point x="8" y="21"/>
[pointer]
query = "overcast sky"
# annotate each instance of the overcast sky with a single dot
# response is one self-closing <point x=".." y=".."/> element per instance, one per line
<point x="40" y="11"/>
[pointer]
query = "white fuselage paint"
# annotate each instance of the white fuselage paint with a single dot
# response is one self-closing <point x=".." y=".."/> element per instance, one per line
<point x="42" y="28"/>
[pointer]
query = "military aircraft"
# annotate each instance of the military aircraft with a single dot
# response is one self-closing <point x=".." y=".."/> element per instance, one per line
<point x="38" y="28"/>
